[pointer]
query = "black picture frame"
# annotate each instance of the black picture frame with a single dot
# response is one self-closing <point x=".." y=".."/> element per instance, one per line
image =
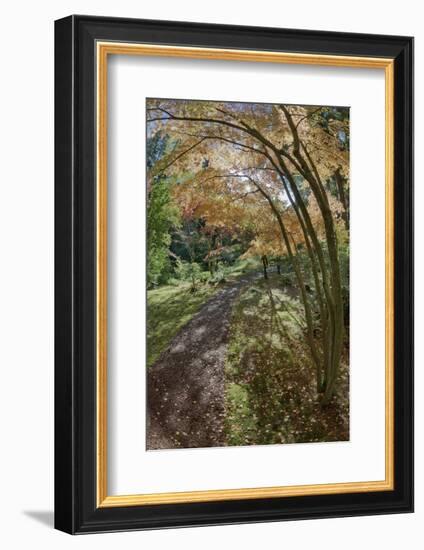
<point x="76" y="510"/>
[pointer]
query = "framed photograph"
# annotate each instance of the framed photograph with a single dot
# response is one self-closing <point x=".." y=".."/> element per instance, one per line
<point x="234" y="269"/>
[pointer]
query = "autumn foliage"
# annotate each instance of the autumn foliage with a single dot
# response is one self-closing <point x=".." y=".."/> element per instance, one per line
<point x="277" y="178"/>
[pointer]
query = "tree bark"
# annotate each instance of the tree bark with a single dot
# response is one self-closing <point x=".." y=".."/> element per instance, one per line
<point x="265" y="266"/>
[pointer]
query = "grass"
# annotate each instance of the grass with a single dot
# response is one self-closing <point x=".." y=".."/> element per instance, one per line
<point x="242" y="267"/>
<point x="270" y="391"/>
<point x="170" y="307"/>
<point x="270" y="382"/>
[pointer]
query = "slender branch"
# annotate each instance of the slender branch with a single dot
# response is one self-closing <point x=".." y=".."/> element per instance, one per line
<point x="197" y="119"/>
<point x="181" y="155"/>
<point x="307" y="116"/>
<point x="244" y="195"/>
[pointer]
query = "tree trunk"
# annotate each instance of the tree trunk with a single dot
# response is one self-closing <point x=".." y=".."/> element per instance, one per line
<point x="310" y="174"/>
<point x="265" y="266"/>
<point x="342" y="197"/>
<point x="300" y="280"/>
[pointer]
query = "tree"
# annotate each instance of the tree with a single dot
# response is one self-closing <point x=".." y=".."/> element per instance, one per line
<point x="162" y="215"/>
<point x="242" y="157"/>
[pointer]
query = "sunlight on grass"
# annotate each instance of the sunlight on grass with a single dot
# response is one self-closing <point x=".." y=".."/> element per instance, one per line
<point x="168" y="309"/>
<point x="240" y="420"/>
<point x="171" y="306"/>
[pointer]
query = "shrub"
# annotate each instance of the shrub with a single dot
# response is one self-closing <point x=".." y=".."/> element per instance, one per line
<point x="188" y="271"/>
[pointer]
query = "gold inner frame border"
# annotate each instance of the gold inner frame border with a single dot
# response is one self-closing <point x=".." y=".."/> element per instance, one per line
<point x="103" y="50"/>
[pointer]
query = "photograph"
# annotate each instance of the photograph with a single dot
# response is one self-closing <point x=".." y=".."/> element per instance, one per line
<point x="233" y="272"/>
<point x="247" y="273"/>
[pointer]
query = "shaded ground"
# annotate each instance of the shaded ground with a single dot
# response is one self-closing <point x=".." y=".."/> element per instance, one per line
<point x="271" y="393"/>
<point x="239" y="373"/>
<point x="186" y="385"/>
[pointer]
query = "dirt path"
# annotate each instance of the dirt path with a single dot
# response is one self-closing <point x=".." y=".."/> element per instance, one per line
<point x="185" y="386"/>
